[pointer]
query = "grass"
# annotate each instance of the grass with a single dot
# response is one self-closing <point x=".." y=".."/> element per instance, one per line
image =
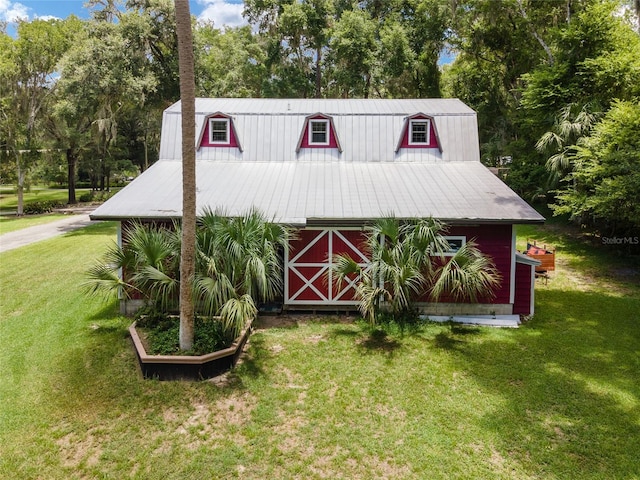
<point x="323" y="398"/>
<point x="12" y="223"/>
<point x="9" y="197"/>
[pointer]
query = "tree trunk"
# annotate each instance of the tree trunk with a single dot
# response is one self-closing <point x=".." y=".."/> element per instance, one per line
<point x="540" y="40"/>
<point x="20" y="187"/>
<point x="72" y="160"/>
<point x="102" y="175"/>
<point x="318" y="72"/>
<point x="187" y="97"/>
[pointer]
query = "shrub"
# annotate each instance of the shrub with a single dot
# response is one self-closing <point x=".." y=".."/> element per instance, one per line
<point x="238" y="266"/>
<point x="37" y="208"/>
<point x="86" y="197"/>
<point x="162" y="335"/>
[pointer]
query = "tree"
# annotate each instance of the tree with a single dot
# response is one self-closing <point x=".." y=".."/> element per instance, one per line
<point x="188" y="107"/>
<point x="229" y="63"/>
<point x="353" y="53"/>
<point x="28" y="65"/>
<point x="499" y="42"/>
<point x="294" y="36"/>
<point x="102" y="77"/>
<point x="564" y="138"/>
<point x="597" y="61"/>
<point x="407" y="262"/>
<point x="603" y="190"/>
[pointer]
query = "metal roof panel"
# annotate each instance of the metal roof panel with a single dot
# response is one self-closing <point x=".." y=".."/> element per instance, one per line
<point x="288" y="192"/>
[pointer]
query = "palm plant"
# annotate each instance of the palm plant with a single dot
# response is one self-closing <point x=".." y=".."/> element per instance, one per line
<point x="149" y="260"/>
<point x="238" y="265"/>
<point x="565" y="139"/>
<point x="407" y="261"/>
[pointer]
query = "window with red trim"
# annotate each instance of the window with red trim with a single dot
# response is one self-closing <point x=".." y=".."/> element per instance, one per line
<point x="219" y="132"/>
<point x="319" y="132"/>
<point x="419" y="131"/>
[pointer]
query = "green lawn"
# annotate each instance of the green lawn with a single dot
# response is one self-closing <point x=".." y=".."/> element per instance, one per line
<point x="557" y="398"/>
<point x="9" y="197"/>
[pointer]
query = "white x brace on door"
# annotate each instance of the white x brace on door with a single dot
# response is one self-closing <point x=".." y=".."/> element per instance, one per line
<point x="308" y="275"/>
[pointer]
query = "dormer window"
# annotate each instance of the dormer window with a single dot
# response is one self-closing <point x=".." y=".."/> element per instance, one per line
<point x="419" y="132"/>
<point x="318" y="132"/>
<point x="219" y="131"/>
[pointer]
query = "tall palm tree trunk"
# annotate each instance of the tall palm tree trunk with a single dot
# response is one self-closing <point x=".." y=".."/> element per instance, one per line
<point x="187" y="97"/>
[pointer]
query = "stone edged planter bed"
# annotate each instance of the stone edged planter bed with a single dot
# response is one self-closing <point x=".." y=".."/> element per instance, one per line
<point x="187" y="367"/>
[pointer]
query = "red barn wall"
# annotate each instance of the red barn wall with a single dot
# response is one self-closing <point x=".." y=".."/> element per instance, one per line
<point x="522" y="302"/>
<point x="495" y="241"/>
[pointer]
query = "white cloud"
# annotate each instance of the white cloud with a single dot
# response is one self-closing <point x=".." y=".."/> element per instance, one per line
<point x="46" y="18"/>
<point x="222" y="13"/>
<point x="13" y="11"/>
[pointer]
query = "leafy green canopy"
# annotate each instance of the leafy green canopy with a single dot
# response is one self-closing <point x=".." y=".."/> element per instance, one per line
<point x="603" y="188"/>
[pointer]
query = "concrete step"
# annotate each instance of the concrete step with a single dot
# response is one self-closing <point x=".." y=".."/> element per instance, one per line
<point x="504" y="321"/>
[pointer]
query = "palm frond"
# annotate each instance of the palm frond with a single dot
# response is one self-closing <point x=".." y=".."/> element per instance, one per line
<point x="468" y="275"/>
<point x="160" y="287"/>
<point x="212" y="292"/>
<point x="104" y="279"/>
<point x="236" y="312"/>
<point x="369" y="297"/>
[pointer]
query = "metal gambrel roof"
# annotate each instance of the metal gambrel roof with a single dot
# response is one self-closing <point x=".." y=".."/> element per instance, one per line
<point x="299" y="193"/>
<point x="366" y="180"/>
<point x="369" y="130"/>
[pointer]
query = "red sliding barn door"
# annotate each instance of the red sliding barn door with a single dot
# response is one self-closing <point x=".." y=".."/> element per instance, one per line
<point x="308" y="276"/>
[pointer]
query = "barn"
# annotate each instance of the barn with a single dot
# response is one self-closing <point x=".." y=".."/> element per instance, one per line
<point x="327" y="168"/>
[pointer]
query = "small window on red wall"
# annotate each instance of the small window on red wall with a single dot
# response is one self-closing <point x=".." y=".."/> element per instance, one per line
<point x="419" y="132"/>
<point x="318" y="132"/>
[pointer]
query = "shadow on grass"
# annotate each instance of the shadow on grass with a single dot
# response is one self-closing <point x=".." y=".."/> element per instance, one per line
<point x="379" y="341"/>
<point x="344" y="332"/>
<point x="99" y="228"/>
<point x="109" y="311"/>
<point x="253" y="359"/>
<point x="446" y="341"/>
<point x="569" y="385"/>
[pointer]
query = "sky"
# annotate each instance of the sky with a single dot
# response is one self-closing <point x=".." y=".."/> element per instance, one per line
<point x="221" y="12"/>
